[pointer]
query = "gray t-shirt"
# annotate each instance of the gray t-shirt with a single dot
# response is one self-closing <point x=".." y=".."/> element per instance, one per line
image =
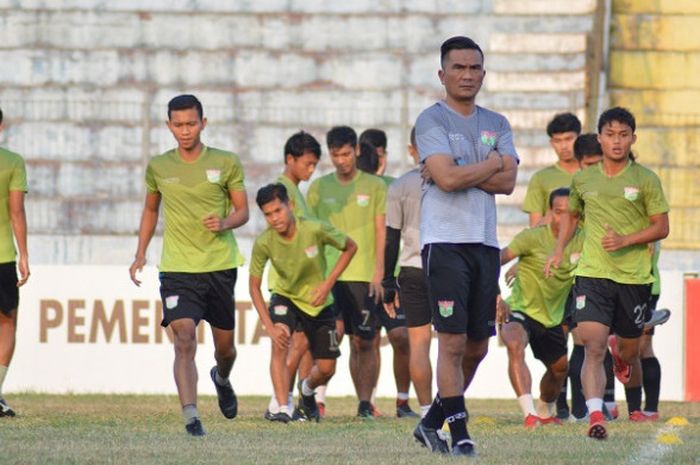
<point x="403" y="212"/>
<point x="466" y="216"/>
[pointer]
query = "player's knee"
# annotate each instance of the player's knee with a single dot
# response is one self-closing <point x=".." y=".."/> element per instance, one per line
<point x="185" y="344"/>
<point x="362" y="345"/>
<point x="326" y="370"/>
<point x="399" y="340"/>
<point x="559" y="368"/>
<point x="225" y="353"/>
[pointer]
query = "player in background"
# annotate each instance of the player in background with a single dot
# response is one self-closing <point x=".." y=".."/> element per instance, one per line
<point x="409" y="291"/>
<point x="204" y="199"/>
<point x="302" y="152"/>
<point x="625" y="210"/>
<point x="354" y="202"/>
<point x="13" y="225"/>
<point x="394" y="323"/>
<point x="302" y="295"/>
<point x="377" y="139"/>
<point x="534" y="312"/>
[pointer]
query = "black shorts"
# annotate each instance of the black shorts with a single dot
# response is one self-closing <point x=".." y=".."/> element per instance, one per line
<point x="462" y="287"/>
<point x="9" y="292"/>
<point x="319" y="330"/>
<point x="621" y="307"/>
<point x="357" y="310"/>
<point x="547" y="344"/>
<point x="568" y="318"/>
<point x="387" y="322"/>
<point x="413" y="293"/>
<point x="199" y="296"/>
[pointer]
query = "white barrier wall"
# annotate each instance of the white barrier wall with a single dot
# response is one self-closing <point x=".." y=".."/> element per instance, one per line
<point x="89" y="329"/>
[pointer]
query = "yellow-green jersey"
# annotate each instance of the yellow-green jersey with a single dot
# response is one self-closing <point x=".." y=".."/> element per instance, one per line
<point x="542" y="299"/>
<point x="13" y="177"/>
<point x="351" y="207"/>
<point x="296" y="199"/>
<point x="655" y="253"/>
<point x="300" y="263"/>
<point x="541" y="184"/>
<point x="624" y="202"/>
<point x="190" y="191"/>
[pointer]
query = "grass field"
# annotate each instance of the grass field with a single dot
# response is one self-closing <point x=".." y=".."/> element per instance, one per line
<point x="96" y="429"/>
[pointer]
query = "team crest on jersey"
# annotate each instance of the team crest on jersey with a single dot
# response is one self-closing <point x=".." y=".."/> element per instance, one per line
<point x="213" y="175"/>
<point x="574" y="258"/>
<point x="446" y="308"/>
<point x="488" y="138"/>
<point x="580" y="302"/>
<point x="312" y="251"/>
<point x="631" y="193"/>
<point x="362" y="200"/>
<point x="280" y="310"/>
<point x="171" y="301"/>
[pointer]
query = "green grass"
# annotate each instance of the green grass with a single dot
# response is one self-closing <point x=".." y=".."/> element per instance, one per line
<point x="87" y="429"/>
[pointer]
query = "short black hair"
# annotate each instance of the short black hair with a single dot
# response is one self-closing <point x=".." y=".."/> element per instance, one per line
<point x="368" y="160"/>
<point x="375" y="137"/>
<point x="185" y="102"/>
<point x="587" y="144"/>
<point x="619" y="114"/>
<point x="560" y="192"/>
<point x="458" y="43"/>
<point x="413" y="137"/>
<point x="564" y="122"/>
<point x="300" y="143"/>
<point x="340" y="136"/>
<point x="271" y="192"/>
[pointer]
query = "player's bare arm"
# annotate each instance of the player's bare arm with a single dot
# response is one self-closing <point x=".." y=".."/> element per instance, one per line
<point x="442" y="171"/>
<point x="502" y="182"/>
<point x="278" y="333"/>
<point x="321" y="292"/>
<point x="18" y="218"/>
<point x="236" y="218"/>
<point x="657" y="230"/>
<point x="569" y="220"/>
<point x="149" y="220"/>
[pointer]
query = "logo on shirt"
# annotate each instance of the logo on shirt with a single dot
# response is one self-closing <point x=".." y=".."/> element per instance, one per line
<point x="362" y="200"/>
<point x="213" y="175"/>
<point x="455" y="136"/>
<point x="280" y="310"/>
<point x="488" y="138"/>
<point x="574" y="258"/>
<point x="312" y="251"/>
<point x="329" y="200"/>
<point x="171" y="301"/>
<point x="446" y="308"/>
<point x="631" y="193"/>
<point x="174" y="180"/>
<point x="580" y="302"/>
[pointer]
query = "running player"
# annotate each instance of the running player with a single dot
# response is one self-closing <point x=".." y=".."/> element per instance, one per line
<point x="13" y="223"/>
<point x="302" y="295"/>
<point x="354" y="202"/>
<point x="410" y="289"/>
<point x="625" y="210"/>
<point x="204" y="199"/>
<point x="468" y="153"/>
<point x="562" y="130"/>
<point x="302" y="153"/>
<point x="538" y="308"/>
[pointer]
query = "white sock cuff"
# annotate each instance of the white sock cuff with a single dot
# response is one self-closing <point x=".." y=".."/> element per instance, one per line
<point x="402" y="395"/>
<point x="594" y="405"/>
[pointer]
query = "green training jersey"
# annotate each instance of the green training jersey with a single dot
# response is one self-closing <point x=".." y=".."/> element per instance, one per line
<point x="298" y="203"/>
<point x="352" y="208"/>
<point x="13" y="177"/>
<point x="656" y="252"/>
<point x="542" y="299"/>
<point x="189" y="192"/>
<point x="387" y="179"/>
<point x="624" y="202"/>
<point x="541" y="184"/>
<point x="299" y="262"/>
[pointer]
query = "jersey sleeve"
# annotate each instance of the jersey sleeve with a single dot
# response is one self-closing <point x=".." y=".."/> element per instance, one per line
<point x="236" y="178"/>
<point x="312" y="198"/>
<point x="151" y="184"/>
<point x="380" y="199"/>
<point x="654" y="198"/>
<point x="18" y="178"/>
<point x="521" y="243"/>
<point x="575" y="199"/>
<point x="533" y="196"/>
<point x="431" y="136"/>
<point x="332" y="236"/>
<point x="394" y="213"/>
<point x="504" y="142"/>
<point x="258" y="258"/>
